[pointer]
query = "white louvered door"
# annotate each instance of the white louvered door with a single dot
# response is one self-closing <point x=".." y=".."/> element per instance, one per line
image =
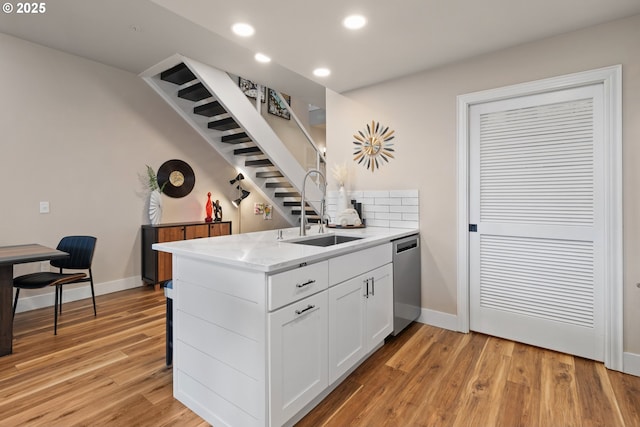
<point x="536" y="195"/>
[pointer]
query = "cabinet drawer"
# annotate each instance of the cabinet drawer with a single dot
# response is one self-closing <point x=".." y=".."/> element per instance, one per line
<point x="351" y="265"/>
<point x="289" y="286"/>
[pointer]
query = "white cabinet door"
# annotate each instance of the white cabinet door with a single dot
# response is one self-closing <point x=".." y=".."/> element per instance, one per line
<point x="346" y="326"/>
<point x="360" y="317"/>
<point x="379" y="321"/>
<point x="298" y="356"/>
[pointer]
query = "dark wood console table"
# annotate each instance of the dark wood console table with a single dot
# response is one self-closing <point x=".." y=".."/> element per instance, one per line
<point x="156" y="266"/>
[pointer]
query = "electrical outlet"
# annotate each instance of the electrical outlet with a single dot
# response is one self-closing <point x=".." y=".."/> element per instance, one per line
<point x="44" y="207"/>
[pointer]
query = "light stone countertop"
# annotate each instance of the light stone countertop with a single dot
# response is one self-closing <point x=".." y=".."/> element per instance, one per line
<point x="261" y="251"/>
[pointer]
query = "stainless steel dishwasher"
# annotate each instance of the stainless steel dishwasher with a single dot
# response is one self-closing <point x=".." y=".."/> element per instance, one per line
<point x="407" y="282"/>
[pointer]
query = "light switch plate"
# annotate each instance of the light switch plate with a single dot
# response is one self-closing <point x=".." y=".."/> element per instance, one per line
<point x="44" y="207"/>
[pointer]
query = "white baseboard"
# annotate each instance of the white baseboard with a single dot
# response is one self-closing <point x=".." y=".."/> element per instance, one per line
<point x="631" y="364"/>
<point x="26" y="302"/>
<point x="439" y="319"/>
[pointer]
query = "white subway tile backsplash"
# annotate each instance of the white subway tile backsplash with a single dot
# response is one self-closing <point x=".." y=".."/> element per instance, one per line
<point x="394" y="208"/>
<point x="408" y="217"/>
<point x="410" y="201"/>
<point x="387" y="201"/>
<point x="375" y="194"/>
<point x="376" y="208"/>
<point x="386" y="215"/>
<point x="407" y="209"/>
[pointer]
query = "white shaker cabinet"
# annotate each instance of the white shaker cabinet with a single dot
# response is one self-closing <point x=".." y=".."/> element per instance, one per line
<point x="379" y="305"/>
<point x="360" y="306"/>
<point x="346" y="326"/>
<point x="298" y="356"/>
<point x="360" y="317"/>
<point x="260" y="348"/>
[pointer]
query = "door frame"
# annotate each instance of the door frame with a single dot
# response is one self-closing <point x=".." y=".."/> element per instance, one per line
<point x="611" y="79"/>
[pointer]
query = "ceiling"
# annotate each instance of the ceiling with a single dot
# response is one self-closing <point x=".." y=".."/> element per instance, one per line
<point x="400" y="38"/>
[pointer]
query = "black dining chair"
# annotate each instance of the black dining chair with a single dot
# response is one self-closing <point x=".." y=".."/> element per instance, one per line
<point x="80" y="250"/>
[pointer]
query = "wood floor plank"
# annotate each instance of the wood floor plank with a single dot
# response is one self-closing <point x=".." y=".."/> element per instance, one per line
<point x="58" y="374"/>
<point x="558" y="397"/>
<point x="371" y="399"/>
<point x="443" y="408"/>
<point x="626" y="389"/>
<point x="514" y="413"/>
<point x="523" y="387"/>
<point x="597" y="407"/>
<point x="485" y="389"/>
<point x="426" y="374"/>
<point x="109" y="371"/>
<point x="330" y="406"/>
<point x="44" y="408"/>
<point x="413" y="351"/>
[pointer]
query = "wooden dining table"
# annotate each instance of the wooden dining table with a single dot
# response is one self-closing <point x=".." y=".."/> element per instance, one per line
<point x="9" y="256"/>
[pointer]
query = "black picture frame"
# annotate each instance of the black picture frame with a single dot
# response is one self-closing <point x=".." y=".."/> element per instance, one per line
<point x="276" y="107"/>
<point x="249" y="88"/>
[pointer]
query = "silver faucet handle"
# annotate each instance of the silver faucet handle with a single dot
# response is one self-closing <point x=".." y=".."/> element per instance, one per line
<point x="279" y="235"/>
<point x="322" y="219"/>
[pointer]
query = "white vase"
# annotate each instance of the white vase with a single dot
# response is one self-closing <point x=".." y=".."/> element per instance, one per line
<point x="155" y="207"/>
<point x="343" y="202"/>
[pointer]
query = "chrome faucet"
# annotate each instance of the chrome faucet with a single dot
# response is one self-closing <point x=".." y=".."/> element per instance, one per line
<point x="303" y="214"/>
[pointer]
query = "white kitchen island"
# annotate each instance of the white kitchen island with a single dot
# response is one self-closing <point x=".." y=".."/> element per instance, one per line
<point x="266" y="328"/>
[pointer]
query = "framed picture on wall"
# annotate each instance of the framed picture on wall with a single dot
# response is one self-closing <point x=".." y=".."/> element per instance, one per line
<point x="277" y="107"/>
<point x="250" y="89"/>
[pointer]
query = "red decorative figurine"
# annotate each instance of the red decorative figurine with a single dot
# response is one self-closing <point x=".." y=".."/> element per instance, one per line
<point x="209" y="208"/>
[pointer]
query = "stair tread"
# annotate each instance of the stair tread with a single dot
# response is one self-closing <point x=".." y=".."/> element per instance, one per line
<point x="259" y="162"/>
<point x="290" y="203"/>
<point x="287" y="194"/>
<point x="180" y="74"/>
<point x="195" y="93"/>
<point x="283" y="184"/>
<point x="247" y="151"/>
<point x="223" y="124"/>
<point x="269" y="174"/>
<point x="236" y="138"/>
<point x="210" y="109"/>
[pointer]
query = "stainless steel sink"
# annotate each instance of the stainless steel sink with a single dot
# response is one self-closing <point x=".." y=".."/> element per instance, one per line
<point x="328" y="240"/>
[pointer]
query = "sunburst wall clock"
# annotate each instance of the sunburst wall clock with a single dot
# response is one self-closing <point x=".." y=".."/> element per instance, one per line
<point x="372" y="146"/>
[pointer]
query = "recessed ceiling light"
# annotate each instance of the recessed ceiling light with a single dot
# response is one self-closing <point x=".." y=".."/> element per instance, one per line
<point x="261" y="57"/>
<point x="354" y="22"/>
<point x="321" y="72"/>
<point x="243" y="30"/>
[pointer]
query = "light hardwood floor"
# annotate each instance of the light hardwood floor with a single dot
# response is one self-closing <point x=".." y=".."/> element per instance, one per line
<point x="110" y="370"/>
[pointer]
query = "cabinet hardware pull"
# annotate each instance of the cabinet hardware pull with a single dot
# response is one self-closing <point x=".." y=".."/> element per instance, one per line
<point x="309" y="307"/>
<point x="367" y="282"/>
<point x="302" y="285"/>
<point x="373" y="286"/>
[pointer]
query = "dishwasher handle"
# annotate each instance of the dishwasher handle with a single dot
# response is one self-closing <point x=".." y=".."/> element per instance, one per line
<point x="405" y="246"/>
